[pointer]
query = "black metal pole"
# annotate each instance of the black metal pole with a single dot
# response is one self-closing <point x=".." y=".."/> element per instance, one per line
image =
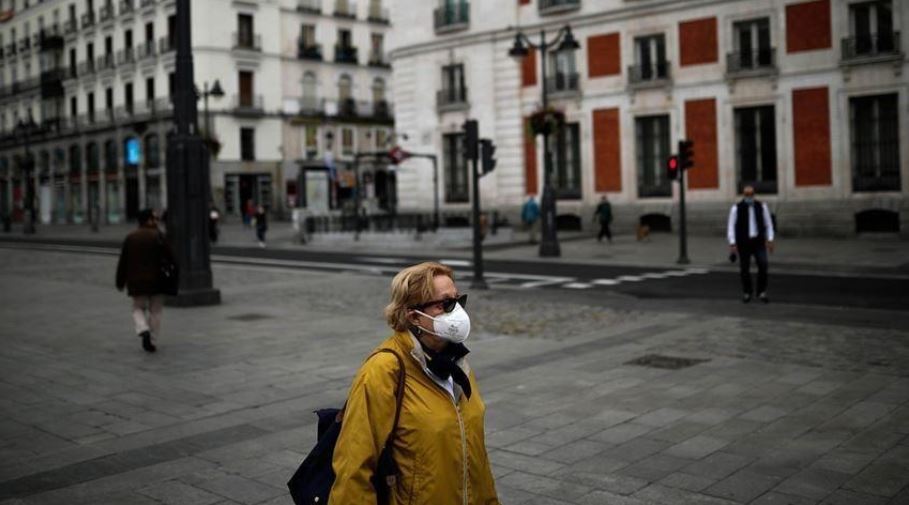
<point x="356" y="170"/>
<point x="205" y="94"/>
<point x="188" y="184"/>
<point x="478" y="281"/>
<point x="435" y="191"/>
<point x="549" y="243"/>
<point x="683" y="232"/>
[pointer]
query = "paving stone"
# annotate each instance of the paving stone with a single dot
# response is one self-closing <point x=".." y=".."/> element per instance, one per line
<point x="601" y="497"/>
<point x="524" y="463"/>
<point x="686" y="481"/>
<point x="844" y="462"/>
<point x="764" y="414"/>
<point x="661" y="417"/>
<point x="576" y="451"/>
<point x="241" y="489"/>
<point x="654" y="468"/>
<point x="638" y="449"/>
<point x="508" y="436"/>
<point x="671" y="496"/>
<point x="881" y="478"/>
<point x="774" y="498"/>
<point x="847" y="497"/>
<point x="174" y="492"/>
<point x="678" y="431"/>
<point x="599" y="479"/>
<point x="718" y="465"/>
<point x="546" y="486"/>
<point x="812" y="483"/>
<point x="743" y="486"/>
<point x="697" y="447"/>
<point x="621" y="433"/>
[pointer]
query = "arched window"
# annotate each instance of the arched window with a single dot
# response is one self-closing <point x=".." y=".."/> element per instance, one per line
<point x="152" y="151"/>
<point x="110" y="156"/>
<point x="75" y="158"/>
<point x="92" y="157"/>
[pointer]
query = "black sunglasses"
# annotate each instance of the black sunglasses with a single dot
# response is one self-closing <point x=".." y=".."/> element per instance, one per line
<point x="447" y="304"/>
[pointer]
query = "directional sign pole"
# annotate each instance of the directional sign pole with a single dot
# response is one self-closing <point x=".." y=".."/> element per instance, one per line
<point x="683" y="232"/>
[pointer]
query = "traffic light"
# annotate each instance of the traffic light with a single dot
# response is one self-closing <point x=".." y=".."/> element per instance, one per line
<point x="672" y="168"/>
<point x="471" y="139"/>
<point x="488" y="156"/>
<point x="686" y="154"/>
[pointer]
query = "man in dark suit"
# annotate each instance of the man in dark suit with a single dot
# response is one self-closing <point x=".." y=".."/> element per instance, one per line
<point x="139" y="270"/>
<point x="750" y="234"/>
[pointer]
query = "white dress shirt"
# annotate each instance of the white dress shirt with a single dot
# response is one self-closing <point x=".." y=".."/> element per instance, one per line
<point x="752" y="223"/>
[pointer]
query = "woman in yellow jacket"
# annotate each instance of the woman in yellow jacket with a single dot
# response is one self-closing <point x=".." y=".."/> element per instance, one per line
<point x="439" y="446"/>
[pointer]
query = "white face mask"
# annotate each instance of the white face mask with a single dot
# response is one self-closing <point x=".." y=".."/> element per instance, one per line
<point x="452" y="326"/>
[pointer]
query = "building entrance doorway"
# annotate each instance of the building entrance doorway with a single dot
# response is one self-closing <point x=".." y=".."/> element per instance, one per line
<point x="132" y="198"/>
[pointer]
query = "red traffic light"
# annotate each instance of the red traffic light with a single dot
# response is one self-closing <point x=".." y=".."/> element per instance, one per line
<point x="673" y="163"/>
<point x="672" y="168"/>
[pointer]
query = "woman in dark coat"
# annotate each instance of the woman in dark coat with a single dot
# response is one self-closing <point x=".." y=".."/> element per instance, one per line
<point x="139" y="270"/>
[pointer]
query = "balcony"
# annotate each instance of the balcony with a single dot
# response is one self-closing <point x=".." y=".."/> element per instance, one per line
<point x="345" y="9"/>
<point x="52" y="83"/>
<point x="88" y="20"/>
<point x="126" y="56"/>
<point x="25" y="44"/>
<point x="871" y="48"/>
<point x="751" y="63"/>
<point x="107" y="13"/>
<point x="563" y="83"/>
<point x="105" y="62"/>
<point x="347" y="108"/>
<point x="309" y="51"/>
<point x="127" y="7"/>
<point x="247" y="42"/>
<point x="70" y="27"/>
<point x="249" y="105"/>
<point x="50" y="39"/>
<point x="345" y="54"/>
<point x="891" y="182"/>
<point x="382" y="110"/>
<point x="377" y="59"/>
<point x="653" y="75"/>
<point x="146" y="50"/>
<point x="11" y="49"/>
<point x="309" y="6"/>
<point x="311" y="106"/>
<point x="147" y="3"/>
<point x="549" y="7"/>
<point x="72" y="71"/>
<point x="452" y="99"/>
<point x="377" y="14"/>
<point x="87" y="67"/>
<point x="167" y="44"/>
<point x="449" y="18"/>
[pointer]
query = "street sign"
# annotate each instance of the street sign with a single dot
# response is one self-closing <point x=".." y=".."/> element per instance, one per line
<point x="397" y="155"/>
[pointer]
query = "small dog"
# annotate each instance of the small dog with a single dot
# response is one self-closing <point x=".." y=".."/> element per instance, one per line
<point x="643" y="232"/>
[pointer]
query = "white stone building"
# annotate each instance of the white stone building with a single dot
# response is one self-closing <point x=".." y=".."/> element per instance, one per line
<point x="94" y="75"/>
<point x="806" y="99"/>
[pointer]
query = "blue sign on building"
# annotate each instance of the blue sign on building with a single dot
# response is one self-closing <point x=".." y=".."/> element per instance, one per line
<point x="133" y="151"/>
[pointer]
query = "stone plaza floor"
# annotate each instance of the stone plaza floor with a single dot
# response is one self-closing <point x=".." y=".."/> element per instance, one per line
<point x="778" y="412"/>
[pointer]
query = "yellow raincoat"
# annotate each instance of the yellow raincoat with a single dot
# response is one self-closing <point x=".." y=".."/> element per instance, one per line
<point x="439" y="447"/>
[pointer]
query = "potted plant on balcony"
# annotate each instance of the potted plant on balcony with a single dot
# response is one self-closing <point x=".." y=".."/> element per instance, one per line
<point x="546" y="121"/>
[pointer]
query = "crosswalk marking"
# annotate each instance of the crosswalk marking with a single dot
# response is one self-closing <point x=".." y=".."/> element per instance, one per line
<point x="577" y="285"/>
<point x="606" y="282"/>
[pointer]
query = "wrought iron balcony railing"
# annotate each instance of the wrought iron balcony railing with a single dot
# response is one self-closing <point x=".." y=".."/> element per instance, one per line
<point x="309" y="51"/>
<point x="562" y="82"/>
<point x="751" y="61"/>
<point x="451" y="98"/>
<point x="870" y="46"/>
<point x="557" y="6"/>
<point x="451" y="17"/>
<point x="345" y="54"/>
<point x="652" y="73"/>
<point x="309" y="6"/>
<point x="247" y="41"/>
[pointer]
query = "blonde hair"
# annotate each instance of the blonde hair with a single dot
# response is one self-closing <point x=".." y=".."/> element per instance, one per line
<point x="412" y="286"/>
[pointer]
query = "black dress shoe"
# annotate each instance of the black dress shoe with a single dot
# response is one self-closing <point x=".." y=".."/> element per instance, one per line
<point x="763" y="298"/>
<point x="746" y="298"/>
<point x="146" y="341"/>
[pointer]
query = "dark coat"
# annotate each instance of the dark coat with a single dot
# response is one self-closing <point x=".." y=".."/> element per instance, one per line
<point x="140" y="261"/>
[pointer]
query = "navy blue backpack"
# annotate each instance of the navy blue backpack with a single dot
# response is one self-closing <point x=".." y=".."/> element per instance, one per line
<point x="311" y="483"/>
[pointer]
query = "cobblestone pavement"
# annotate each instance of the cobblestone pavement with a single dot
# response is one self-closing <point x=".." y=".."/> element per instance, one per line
<point x="780" y="412"/>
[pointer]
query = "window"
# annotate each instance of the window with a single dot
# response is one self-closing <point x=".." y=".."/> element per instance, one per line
<point x="312" y="140"/>
<point x="874" y="122"/>
<point x="149" y="32"/>
<point x="171" y="32"/>
<point x="755" y="147"/>
<point x="453" y="88"/>
<point x="247" y="144"/>
<point x="752" y="44"/>
<point x="871" y="28"/>
<point x="563" y="75"/>
<point x="150" y="89"/>
<point x="128" y="39"/>
<point x="652" y="143"/>
<point x="344" y="38"/>
<point x="650" y="58"/>
<point x="245" y="31"/>
<point x="381" y="139"/>
<point x="345" y="86"/>
<point x="90" y="100"/>
<point x="110" y="156"/>
<point x="456" y="179"/>
<point x="565" y="147"/>
<point x="310" y="92"/>
<point x="72" y="62"/>
<point x="308" y="35"/>
<point x="347" y="141"/>
<point x="152" y="151"/>
<point x="377" y="48"/>
<point x="73" y="106"/>
<point x="108" y="46"/>
<point x="378" y="90"/>
<point x="109" y="99"/>
<point x="246" y="88"/>
<point x="90" y="55"/>
<point x="128" y="97"/>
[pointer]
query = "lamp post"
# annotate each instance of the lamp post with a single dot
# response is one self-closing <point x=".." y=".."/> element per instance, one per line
<point x="188" y="184"/>
<point x="215" y="92"/>
<point x="25" y="127"/>
<point x="563" y="41"/>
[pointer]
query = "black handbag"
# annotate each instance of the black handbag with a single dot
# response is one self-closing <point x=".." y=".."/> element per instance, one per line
<point x="168" y="272"/>
<point x="311" y="483"/>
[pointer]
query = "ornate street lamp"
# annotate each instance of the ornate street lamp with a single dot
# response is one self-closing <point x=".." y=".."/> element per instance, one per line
<point x="25" y="127"/>
<point x="188" y="184"/>
<point x="563" y="41"/>
<point x="215" y="92"/>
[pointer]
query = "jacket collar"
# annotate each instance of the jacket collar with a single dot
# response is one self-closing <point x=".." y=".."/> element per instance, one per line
<point x="411" y="345"/>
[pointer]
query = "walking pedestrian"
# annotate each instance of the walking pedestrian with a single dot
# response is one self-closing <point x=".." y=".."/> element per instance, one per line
<point x="530" y="216"/>
<point x="604" y="215"/>
<point x="139" y="270"/>
<point x="261" y="225"/>
<point x="249" y="211"/>
<point x="439" y="445"/>
<point x="750" y="234"/>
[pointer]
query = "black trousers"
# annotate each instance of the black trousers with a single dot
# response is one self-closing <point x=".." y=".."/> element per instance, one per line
<point x="758" y="249"/>
<point x="604" y="232"/>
